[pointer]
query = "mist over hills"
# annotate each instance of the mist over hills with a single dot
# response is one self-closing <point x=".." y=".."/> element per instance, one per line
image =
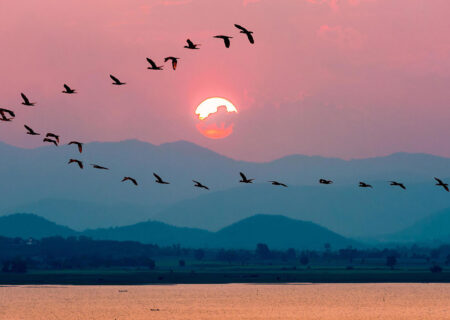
<point x="276" y="231"/>
<point x="40" y="181"/>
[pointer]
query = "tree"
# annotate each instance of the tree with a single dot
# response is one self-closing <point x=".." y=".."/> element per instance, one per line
<point x="199" y="254"/>
<point x="262" y="251"/>
<point x="391" y="261"/>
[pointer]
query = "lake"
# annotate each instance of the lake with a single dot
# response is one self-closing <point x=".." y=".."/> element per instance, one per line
<point x="227" y="301"/>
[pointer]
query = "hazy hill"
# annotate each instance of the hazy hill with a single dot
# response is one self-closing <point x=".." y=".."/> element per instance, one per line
<point x="435" y="227"/>
<point x="26" y="225"/>
<point x="40" y="180"/>
<point x="278" y="232"/>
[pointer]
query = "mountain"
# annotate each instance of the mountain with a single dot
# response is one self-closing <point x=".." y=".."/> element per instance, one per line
<point x="278" y="232"/>
<point x="41" y="181"/>
<point x="347" y="210"/>
<point x="26" y="225"/>
<point x="435" y="227"/>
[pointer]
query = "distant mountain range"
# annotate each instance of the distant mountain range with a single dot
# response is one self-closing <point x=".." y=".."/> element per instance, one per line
<point x="40" y="181"/>
<point x="277" y="232"/>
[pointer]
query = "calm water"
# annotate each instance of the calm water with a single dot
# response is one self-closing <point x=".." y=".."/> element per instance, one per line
<point x="232" y="301"/>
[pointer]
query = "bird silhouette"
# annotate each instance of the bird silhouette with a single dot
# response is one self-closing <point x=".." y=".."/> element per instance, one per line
<point x="116" y="81"/>
<point x="364" y="185"/>
<point x="199" y="185"/>
<point x="68" y="90"/>
<point x="191" y="45"/>
<point x="96" y="166"/>
<point x="26" y="102"/>
<point x="153" y="65"/>
<point x="174" y="61"/>
<point x="3" y="114"/>
<point x="226" y="40"/>
<point x="3" y="117"/>
<point x="244" y="178"/>
<point x="51" y="141"/>
<point x="52" y="135"/>
<point x="130" y="179"/>
<point x="395" y="183"/>
<point x="30" y="131"/>
<point x="441" y="184"/>
<point x="159" y="179"/>
<point x="78" y="144"/>
<point x="276" y="183"/>
<point x="246" y="32"/>
<point x="324" y="181"/>
<point x="80" y="163"/>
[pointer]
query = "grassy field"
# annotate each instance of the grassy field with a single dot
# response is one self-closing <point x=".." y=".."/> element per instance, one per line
<point x="225" y="274"/>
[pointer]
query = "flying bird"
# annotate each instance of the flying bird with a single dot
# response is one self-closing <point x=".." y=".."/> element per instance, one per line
<point x="30" y="131"/>
<point x="130" y="179"/>
<point x="3" y="117"/>
<point x="26" y="102"/>
<point x="153" y="65"/>
<point x="78" y="144"/>
<point x="159" y="179"/>
<point x="51" y="141"/>
<point x="52" y="135"/>
<point x="116" y="81"/>
<point x="226" y="40"/>
<point x="244" y="178"/>
<point x="324" y="181"/>
<point x="68" y="89"/>
<point x="364" y="185"/>
<point x="199" y="185"/>
<point x="96" y="166"/>
<point x="174" y="61"/>
<point x="80" y="163"/>
<point x="246" y="32"/>
<point x="191" y="45"/>
<point x="441" y="184"/>
<point x="10" y="112"/>
<point x="276" y="183"/>
<point x="395" y="183"/>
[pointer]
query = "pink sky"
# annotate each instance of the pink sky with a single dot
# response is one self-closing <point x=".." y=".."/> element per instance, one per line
<point x="343" y="78"/>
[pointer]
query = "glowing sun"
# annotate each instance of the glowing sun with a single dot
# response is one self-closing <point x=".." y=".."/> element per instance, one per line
<point x="214" y="117"/>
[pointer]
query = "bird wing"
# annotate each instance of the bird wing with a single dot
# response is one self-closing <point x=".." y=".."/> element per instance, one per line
<point x="114" y="79"/>
<point x="438" y="180"/>
<point x="152" y="63"/>
<point x="67" y="87"/>
<point x="240" y="27"/>
<point x="446" y="187"/>
<point x="157" y="177"/>
<point x="134" y="181"/>
<point x="243" y="176"/>
<point x="227" y="42"/>
<point x="196" y="182"/>
<point x="190" y="43"/>
<point x="25" y="99"/>
<point x="80" y="164"/>
<point x="174" y="64"/>
<point x="28" y="128"/>
<point x="402" y="186"/>
<point x="167" y="59"/>
<point x="250" y="38"/>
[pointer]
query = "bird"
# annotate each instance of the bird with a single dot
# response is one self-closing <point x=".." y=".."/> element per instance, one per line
<point x="26" y="102"/>
<point x="130" y="179"/>
<point x="244" y="178"/>
<point x="30" y="131"/>
<point x="52" y="135"/>
<point x="395" y="183"/>
<point x="276" y="183"/>
<point x="441" y="184"/>
<point x="79" y="144"/>
<point x="199" y="185"/>
<point x="80" y="163"/>
<point x="174" y="61"/>
<point x="10" y="112"/>
<point x="324" y="181"/>
<point x="226" y="40"/>
<point x="191" y="45"/>
<point x="68" y="89"/>
<point x="51" y="141"/>
<point x="159" y="179"/>
<point x="364" y="185"/>
<point x="246" y="32"/>
<point x="116" y="81"/>
<point x="153" y="65"/>
<point x="3" y="117"/>
<point x="96" y="166"/>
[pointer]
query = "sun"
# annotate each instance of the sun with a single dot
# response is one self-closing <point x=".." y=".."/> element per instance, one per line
<point x="215" y="118"/>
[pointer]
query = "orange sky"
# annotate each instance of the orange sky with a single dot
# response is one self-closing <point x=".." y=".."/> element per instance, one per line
<point x="344" y="78"/>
